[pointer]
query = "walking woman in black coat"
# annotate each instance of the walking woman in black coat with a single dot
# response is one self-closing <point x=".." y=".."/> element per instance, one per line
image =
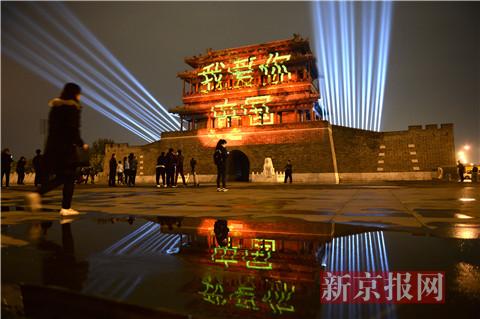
<point x="61" y="155"/>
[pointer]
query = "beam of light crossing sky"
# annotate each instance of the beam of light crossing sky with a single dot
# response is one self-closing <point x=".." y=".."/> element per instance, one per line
<point x="73" y="20"/>
<point x="108" y="88"/>
<point x="49" y="76"/>
<point x="89" y="95"/>
<point x="352" y="46"/>
<point x="82" y="31"/>
<point x="50" y="56"/>
<point x="84" y="78"/>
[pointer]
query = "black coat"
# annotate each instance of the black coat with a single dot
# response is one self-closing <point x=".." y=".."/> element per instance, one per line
<point x="113" y="165"/>
<point x="288" y="168"/>
<point x="36" y="162"/>
<point x="220" y="156"/>
<point x="21" y="166"/>
<point x="193" y="164"/>
<point x="161" y="160"/>
<point x="6" y="161"/>
<point x="133" y="163"/>
<point x="171" y="160"/>
<point x="63" y="135"/>
<point x="179" y="161"/>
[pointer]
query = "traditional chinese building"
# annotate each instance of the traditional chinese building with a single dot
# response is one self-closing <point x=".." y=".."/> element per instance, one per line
<point x="254" y="85"/>
<point x="261" y="99"/>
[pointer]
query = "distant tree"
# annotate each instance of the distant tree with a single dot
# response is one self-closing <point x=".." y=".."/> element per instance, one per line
<point x="97" y="153"/>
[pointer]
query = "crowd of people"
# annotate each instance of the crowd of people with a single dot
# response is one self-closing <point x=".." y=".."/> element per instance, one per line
<point x="64" y="150"/>
<point x="122" y="172"/>
<point x="60" y="163"/>
<point x="21" y="167"/>
<point x="170" y="166"/>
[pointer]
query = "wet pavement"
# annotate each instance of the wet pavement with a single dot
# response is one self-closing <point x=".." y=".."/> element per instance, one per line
<point x="129" y="249"/>
<point x="401" y="204"/>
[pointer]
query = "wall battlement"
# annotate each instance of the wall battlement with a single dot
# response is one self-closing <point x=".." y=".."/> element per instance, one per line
<point x="314" y="147"/>
<point x="443" y="126"/>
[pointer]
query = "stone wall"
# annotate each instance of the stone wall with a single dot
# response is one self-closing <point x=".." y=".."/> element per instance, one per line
<point x="419" y="149"/>
<point x="309" y="146"/>
<point x="356" y="150"/>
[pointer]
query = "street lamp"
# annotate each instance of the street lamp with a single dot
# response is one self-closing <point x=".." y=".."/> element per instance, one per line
<point x="462" y="157"/>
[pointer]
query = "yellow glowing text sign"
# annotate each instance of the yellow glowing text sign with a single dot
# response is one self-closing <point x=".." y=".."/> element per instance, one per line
<point x="215" y="75"/>
<point x="255" y="108"/>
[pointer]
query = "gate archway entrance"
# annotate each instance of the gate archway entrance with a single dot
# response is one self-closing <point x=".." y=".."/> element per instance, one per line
<point x="238" y="166"/>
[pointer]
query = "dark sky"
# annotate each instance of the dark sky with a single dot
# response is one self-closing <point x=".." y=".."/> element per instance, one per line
<point x="433" y="71"/>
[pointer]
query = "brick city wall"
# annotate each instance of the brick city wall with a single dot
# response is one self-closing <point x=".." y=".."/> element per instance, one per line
<point x="355" y="150"/>
<point x="420" y="148"/>
<point x="305" y="144"/>
<point x="415" y="150"/>
<point x="308" y="146"/>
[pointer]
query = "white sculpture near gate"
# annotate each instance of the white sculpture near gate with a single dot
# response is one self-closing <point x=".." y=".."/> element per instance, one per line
<point x="268" y="175"/>
<point x="268" y="170"/>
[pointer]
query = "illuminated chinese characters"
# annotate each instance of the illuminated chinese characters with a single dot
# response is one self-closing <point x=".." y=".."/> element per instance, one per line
<point x="256" y="258"/>
<point x="383" y="287"/>
<point x="274" y="69"/>
<point x="265" y="84"/>
<point x="253" y="108"/>
<point x="241" y="73"/>
<point x="212" y="75"/>
<point x="277" y="299"/>
<point x="213" y="291"/>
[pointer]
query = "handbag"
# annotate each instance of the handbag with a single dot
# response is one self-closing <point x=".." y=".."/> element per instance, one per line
<point x="82" y="157"/>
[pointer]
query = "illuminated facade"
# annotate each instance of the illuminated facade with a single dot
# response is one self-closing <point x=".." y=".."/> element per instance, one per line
<point x="262" y="84"/>
<point x="262" y="99"/>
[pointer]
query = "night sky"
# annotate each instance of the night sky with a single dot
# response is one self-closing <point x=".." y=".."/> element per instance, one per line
<point x="433" y="71"/>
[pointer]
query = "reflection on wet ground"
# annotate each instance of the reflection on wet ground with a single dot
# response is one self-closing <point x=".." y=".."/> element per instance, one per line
<point x="236" y="267"/>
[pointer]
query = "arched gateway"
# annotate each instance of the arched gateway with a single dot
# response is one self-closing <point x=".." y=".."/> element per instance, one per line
<point x="238" y="166"/>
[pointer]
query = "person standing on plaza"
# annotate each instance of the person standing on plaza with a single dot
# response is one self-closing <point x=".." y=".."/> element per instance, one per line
<point x="220" y="160"/>
<point x="179" y="168"/>
<point x="132" y="159"/>
<point x="193" y="171"/>
<point x="170" y="168"/>
<point x="62" y="149"/>
<point x="126" y="171"/>
<point x="7" y="160"/>
<point x="120" y="172"/>
<point x="461" y="171"/>
<point x="83" y="175"/>
<point x="160" y="169"/>
<point x="92" y="172"/>
<point x="288" y="171"/>
<point x="37" y="164"/>
<point x="475" y="174"/>
<point x="21" y="170"/>
<point x="113" y="170"/>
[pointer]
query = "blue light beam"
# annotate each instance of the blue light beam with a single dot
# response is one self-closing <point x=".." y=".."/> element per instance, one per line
<point x="133" y="107"/>
<point x="352" y="42"/>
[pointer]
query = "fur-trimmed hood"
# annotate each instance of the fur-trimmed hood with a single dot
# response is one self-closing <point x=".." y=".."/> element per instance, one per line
<point x="59" y="102"/>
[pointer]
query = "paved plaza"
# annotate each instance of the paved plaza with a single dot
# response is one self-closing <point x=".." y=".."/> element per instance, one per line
<point x="418" y="225"/>
<point x="424" y="205"/>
